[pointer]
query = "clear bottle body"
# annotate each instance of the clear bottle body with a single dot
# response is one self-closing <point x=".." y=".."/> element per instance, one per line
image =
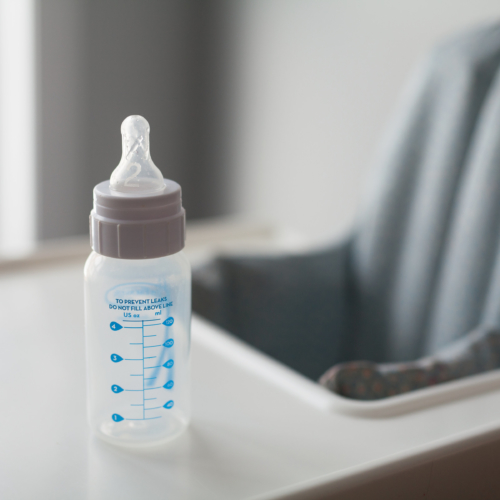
<point x="138" y="315"/>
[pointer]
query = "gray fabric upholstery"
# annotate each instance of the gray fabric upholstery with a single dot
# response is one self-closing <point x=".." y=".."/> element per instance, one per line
<point x="293" y="308"/>
<point x="424" y="244"/>
<point x="423" y="265"/>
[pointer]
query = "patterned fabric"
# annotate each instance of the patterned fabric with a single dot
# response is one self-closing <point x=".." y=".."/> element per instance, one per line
<point x="476" y="353"/>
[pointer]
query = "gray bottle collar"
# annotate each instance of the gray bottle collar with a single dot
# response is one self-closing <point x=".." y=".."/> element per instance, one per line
<point x="128" y="226"/>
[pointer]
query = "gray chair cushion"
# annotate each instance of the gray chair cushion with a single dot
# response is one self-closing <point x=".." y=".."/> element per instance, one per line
<point x="476" y="353"/>
<point x="425" y="244"/>
<point x="422" y="268"/>
<point x="293" y="308"/>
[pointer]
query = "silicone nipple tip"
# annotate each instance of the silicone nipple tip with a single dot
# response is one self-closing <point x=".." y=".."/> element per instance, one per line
<point x="136" y="172"/>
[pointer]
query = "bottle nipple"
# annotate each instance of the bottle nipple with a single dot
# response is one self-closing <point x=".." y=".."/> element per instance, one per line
<point x="136" y="173"/>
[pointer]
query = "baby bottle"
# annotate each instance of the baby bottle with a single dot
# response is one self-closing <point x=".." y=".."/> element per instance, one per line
<point x="137" y="301"/>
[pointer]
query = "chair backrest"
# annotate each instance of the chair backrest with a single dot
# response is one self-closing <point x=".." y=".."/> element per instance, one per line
<point x="426" y="254"/>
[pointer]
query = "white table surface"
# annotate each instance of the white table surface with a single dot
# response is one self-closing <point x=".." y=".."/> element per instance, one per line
<point x="252" y="434"/>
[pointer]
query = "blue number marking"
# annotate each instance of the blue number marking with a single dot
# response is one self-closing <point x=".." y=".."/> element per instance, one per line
<point x="116" y="389"/>
<point x="169" y="321"/>
<point x="169" y="343"/>
<point x="168" y="405"/>
<point x="169" y="384"/>
<point x="169" y="363"/>
<point x="115" y="326"/>
<point x="115" y="358"/>
<point x="117" y="418"/>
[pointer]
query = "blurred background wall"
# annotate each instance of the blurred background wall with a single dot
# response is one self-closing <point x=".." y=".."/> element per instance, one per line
<point x="102" y="60"/>
<point x="269" y="109"/>
<point x="316" y="83"/>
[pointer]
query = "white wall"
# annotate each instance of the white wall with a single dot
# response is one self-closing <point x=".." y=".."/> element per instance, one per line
<point x="17" y="127"/>
<point x="313" y="84"/>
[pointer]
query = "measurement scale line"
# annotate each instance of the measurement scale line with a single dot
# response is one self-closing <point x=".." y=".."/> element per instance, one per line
<point x="148" y="367"/>
<point x="151" y="388"/>
<point x="143" y="402"/>
<point x="149" y="357"/>
<point x="148" y="346"/>
<point x="139" y="320"/>
<point x="149" y="418"/>
<point x="150" y="378"/>
<point x="149" y="399"/>
<point x="150" y="335"/>
<point x="156" y="408"/>
<point x="157" y="324"/>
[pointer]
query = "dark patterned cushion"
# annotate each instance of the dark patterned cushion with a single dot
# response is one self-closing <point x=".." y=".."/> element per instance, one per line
<point x="478" y="352"/>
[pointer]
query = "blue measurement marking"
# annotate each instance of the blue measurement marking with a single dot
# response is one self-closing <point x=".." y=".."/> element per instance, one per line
<point x="148" y="418"/>
<point x="117" y="358"/>
<point x="138" y="321"/>
<point x="143" y="402"/>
